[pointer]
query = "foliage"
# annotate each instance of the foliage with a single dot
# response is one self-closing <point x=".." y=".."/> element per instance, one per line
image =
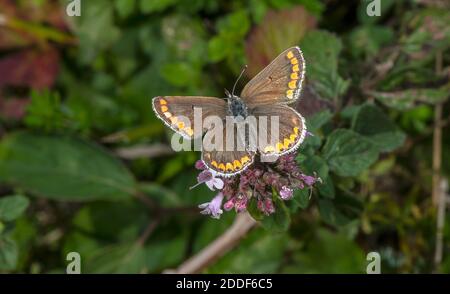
<point x="76" y="91"/>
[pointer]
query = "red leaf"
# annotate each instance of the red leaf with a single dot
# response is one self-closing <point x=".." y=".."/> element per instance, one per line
<point x="278" y="31"/>
<point x="33" y="68"/>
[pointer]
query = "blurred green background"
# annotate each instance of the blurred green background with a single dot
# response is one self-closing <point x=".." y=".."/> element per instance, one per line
<point x="85" y="165"/>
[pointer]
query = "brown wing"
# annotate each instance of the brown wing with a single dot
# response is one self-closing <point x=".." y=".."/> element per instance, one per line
<point x="280" y="82"/>
<point x="291" y="129"/>
<point x="177" y="112"/>
<point x="230" y="156"/>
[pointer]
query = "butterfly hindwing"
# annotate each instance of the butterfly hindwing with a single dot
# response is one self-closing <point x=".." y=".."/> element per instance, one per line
<point x="229" y="157"/>
<point x="177" y="112"/>
<point x="279" y="82"/>
<point x="291" y="129"/>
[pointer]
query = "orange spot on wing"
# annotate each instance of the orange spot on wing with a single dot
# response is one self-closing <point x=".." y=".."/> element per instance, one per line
<point x="221" y="166"/>
<point x="162" y="101"/>
<point x="294" y="61"/>
<point x="286" y="143"/>
<point x="295" y="68"/>
<point x="180" y="125"/>
<point x="290" y="94"/>
<point x="229" y="166"/>
<point x="292" y="84"/>
<point x="290" y="55"/>
<point x="279" y="146"/>
<point x="237" y="164"/>
<point x="164" y="108"/>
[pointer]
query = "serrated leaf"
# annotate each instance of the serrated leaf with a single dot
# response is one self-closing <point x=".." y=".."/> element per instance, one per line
<point x="374" y="124"/>
<point x="327" y="246"/>
<point x="63" y="168"/>
<point x="11" y="207"/>
<point x="340" y="210"/>
<point x="321" y="50"/>
<point x="407" y="99"/>
<point x="348" y="153"/>
<point x="316" y="121"/>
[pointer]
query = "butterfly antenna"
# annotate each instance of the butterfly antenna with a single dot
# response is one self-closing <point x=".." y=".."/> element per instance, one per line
<point x="227" y="93"/>
<point x="240" y="75"/>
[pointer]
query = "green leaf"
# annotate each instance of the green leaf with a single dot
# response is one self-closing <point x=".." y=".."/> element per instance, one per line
<point x="328" y="246"/>
<point x="261" y="252"/>
<point x="121" y="258"/>
<point x="8" y="253"/>
<point x="228" y="42"/>
<point x="95" y="29"/>
<point x="364" y="18"/>
<point x="326" y="188"/>
<point x="278" y="221"/>
<point x="407" y="99"/>
<point x="349" y="112"/>
<point x="11" y="207"/>
<point x="62" y="168"/>
<point x="149" y="6"/>
<point x="348" y="153"/>
<point x="116" y="221"/>
<point x="125" y="7"/>
<point x="317" y="120"/>
<point x="179" y="74"/>
<point x="321" y="50"/>
<point x="315" y="164"/>
<point x="374" y="124"/>
<point x="165" y="197"/>
<point x="301" y="198"/>
<point x="166" y="253"/>
<point x="217" y="49"/>
<point x="341" y="210"/>
<point x="368" y="40"/>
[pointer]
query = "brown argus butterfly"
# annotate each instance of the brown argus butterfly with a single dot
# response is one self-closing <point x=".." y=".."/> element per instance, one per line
<point x="267" y="94"/>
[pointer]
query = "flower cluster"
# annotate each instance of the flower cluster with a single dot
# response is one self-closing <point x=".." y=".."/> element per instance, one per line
<point x="258" y="182"/>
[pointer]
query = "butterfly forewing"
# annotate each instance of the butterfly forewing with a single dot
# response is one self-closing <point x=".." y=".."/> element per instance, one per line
<point x="291" y="129"/>
<point x="280" y="82"/>
<point x="177" y="112"/>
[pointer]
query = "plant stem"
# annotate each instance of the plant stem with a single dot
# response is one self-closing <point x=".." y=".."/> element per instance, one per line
<point x="242" y="224"/>
<point x="439" y="186"/>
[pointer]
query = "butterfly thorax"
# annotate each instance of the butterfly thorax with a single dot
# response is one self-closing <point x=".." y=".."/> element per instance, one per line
<point x="237" y="107"/>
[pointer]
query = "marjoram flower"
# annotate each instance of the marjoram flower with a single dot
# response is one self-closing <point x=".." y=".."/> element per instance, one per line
<point x="259" y="183"/>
